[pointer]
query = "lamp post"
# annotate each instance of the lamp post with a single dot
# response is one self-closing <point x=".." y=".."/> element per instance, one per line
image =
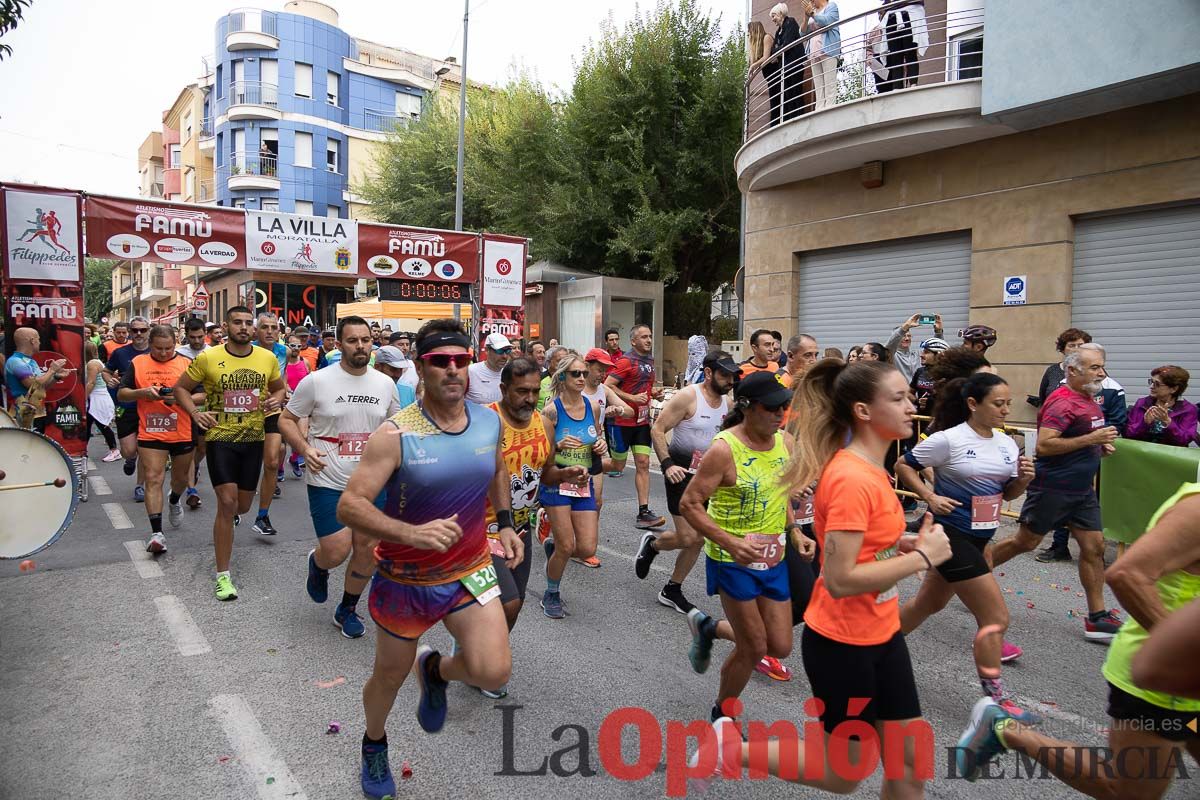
<point x="462" y="121"/>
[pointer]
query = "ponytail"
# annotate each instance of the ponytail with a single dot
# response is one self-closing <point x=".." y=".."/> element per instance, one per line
<point x="951" y="407"/>
<point x="736" y="415"/>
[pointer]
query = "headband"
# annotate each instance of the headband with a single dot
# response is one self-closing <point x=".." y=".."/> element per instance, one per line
<point x="442" y="339"/>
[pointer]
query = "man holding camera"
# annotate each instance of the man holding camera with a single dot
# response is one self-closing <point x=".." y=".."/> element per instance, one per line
<point x="899" y="344"/>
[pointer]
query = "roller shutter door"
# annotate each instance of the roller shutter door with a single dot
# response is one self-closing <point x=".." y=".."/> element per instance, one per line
<point x="852" y="295"/>
<point x="1136" y="290"/>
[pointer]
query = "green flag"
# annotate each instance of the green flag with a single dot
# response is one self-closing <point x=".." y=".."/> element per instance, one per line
<point x="1137" y="479"/>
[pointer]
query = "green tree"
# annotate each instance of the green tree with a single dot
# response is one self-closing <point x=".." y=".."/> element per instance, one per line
<point x="11" y="12"/>
<point x="97" y="288"/>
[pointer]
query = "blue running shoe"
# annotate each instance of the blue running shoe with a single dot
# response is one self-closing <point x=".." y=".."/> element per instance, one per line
<point x="431" y="710"/>
<point x="139" y="494"/>
<point x="552" y="605"/>
<point x="377" y="780"/>
<point x="348" y="620"/>
<point x="298" y="468"/>
<point x="318" y="579"/>
<point x="979" y="742"/>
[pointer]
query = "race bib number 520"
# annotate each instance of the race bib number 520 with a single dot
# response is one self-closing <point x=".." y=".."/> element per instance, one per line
<point x="482" y="584"/>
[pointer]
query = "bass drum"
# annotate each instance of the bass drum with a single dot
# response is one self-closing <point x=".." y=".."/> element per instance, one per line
<point x="33" y="517"/>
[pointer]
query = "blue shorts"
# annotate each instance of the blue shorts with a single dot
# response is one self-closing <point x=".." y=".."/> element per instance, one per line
<point x="406" y="610"/>
<point x="322" y="507"/>
<point x="743" y="583"/>
<point x="549" y="496"/>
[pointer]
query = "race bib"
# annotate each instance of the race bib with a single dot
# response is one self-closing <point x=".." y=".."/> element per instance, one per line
<point x="643" y="415"/>
<point x="482" y="584"/>
<point x="806" y="513"/>
<point x="496" y="547"/>
<point x="985" y="512"/>
<point x="162" y="423"/>
<point x="891" y="593"/>
<point x="574" y="490"/>
<point x="351" y="445"/>
<point x="696" y="459"/>
<point x="241" y="401"/>
<point x="772" y="544"/>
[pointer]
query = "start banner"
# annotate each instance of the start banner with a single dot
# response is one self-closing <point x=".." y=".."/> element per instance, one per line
<point x="136" y="230"/>
<point x="393" y="251"/>
<point x="300" y="244"/>
<point x="43" y="237"/>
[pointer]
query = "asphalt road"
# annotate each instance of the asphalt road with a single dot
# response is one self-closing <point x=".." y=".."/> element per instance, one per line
<point x="127" y="679"/>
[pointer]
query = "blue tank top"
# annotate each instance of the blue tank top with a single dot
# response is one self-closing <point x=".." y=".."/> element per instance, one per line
<point x="582" y="429"/>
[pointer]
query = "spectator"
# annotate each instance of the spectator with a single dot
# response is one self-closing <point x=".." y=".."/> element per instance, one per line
<point x="979" y="338"/>
<point x="759" y="45"/>
<point x="1163" y="416"/>
<point x="854" y="353"/>
<point x="1068" y="342"/>
<point x="873" y="351"/>
<point x="833" y="352"/>
<point x="802" y="353"/>
<point x="697" y="350"/>
<point x="762" y="345"/>
<point x="824" y="51"/>
<point x="897" y="42"/>
<point x="27" y="381"/>
<point x="900" y="344"/>
<point x="922" y="383"/>
<point x="784" y="66"/>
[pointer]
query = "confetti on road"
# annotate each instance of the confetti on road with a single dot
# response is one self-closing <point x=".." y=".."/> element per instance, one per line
<point x="338" y="681"/>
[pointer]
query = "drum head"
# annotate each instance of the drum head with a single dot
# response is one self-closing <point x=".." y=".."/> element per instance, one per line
<point x="6" y="421"/>
<point x="32" y="519"/>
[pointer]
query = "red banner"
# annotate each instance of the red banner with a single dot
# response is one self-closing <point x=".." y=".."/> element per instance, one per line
<point x="394" y="251"/>
<point x="508" y="321"/>
<point x="166" y="233"/>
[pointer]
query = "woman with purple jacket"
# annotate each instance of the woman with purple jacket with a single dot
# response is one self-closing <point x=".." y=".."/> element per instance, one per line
<point x="1164" y="416"/>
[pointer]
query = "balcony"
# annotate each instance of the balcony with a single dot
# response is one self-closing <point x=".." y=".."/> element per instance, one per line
<point x="253" y="100"/>
<point x="206" y="192"/>
<point x="381" y="121"/>
<point x="153" y="285"/>
<point x="894" y="96"/>
<point x="251" y="29"/>
<point x="207" y="140"/>
<point x="253" y="171"/>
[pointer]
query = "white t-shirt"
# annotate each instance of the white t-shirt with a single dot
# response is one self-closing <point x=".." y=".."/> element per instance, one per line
<point x="967" y="467"/>
<point x="189" y="351"/>
<point x="342" y="411"/>
<point x="483" y="384"/>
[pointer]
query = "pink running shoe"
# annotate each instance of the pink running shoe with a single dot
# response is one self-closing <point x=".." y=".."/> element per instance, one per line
<point x="1009" y="652"/>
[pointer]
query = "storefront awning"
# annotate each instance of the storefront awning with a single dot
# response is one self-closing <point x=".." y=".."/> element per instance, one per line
<point x="402" y="310"/>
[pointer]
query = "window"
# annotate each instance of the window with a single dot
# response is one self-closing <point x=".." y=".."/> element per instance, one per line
<point x="331" y="88"/>
<point x="333" y="212"/>
<point x="966" y="59"/>
<point x="408" y="105"/>
<point x="269" y="71"/>
<point x="220" y="85"/>
<point x="304" y="149"/>
<point x="176" y="157"/>
<point x="269" y="204"/>
<point x="331" y="155"/>
<point x="304" y="207"/>
<point x="303" y="80"/>
<point x="189" y="183"/>
<point x="239" y="203"/>
<point x="187" y="126"/>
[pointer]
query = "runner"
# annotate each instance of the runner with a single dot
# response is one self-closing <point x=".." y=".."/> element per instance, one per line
<point x="763" y="347"/>
<point x="342" y="406"/>
<point x="1071" y="440"/>
<point x="1156" y="579"/>
<point x="572" y="423"/>
<point x="852" y="646"/>
<point x="120" y="338"/>
<point x="632" y="378"/>
<point x="267" y="337"/>
<point x="693" y="416"/>
<point x="977" y="468"/>
<point x="438" y="460"/>
<point x="237" y="377"/>
<point x="293" y="372"/>
<point x="737" y="502"/>
<point x="127" y="421"/>
<point x="598" y="392"/>
<point x="483" y="384"/>
<point x="162" y="431"/>
<point x="195" y="344"/>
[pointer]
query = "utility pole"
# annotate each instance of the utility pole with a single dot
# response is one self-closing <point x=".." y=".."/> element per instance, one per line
<point x="462" y="122"/>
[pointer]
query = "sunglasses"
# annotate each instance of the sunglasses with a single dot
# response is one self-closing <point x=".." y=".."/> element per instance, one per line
<point x="442" y="360"/>
<point x="773" y="407"/>
<point x="577" y="373"/>
<point x="139" y="330"/>
<point x="1154" y="382"/>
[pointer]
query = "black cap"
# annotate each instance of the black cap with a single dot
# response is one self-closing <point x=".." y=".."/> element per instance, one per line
<point x="761" y="387"/>
<point x="397" y="336"/>
<point x="723" y="363"/>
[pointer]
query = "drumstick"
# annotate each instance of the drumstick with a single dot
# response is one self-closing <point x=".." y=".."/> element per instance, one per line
<point x="3" y="474"/>
<point x="57" y="483"/>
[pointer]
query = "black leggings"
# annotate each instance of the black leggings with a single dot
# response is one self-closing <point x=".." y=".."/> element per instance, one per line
<point x="802" y="575"/>
<point x="110" y="438"/>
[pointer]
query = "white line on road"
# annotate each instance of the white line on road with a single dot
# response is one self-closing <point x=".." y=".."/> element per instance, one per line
<point x="99" y="485"/>
<point x="254" y="749"/>
<point x="188" y="638"/>
<point x="143" y="562"/>
<point x="619" y="554"/>
<point x="91" y="465"/>
<point x="117" y="516"/>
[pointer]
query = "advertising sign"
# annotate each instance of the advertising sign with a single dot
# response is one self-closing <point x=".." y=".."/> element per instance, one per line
<point x="43" y="240"/>
<point x="1016" y="289"/>
<point x="299" y="244"/>
<point x="146" y="230"/>
<point x="393" y="251"/>
<point x="503" y="271"/>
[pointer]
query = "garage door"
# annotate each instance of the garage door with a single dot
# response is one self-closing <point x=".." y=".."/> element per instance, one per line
<point x="1136" y="290"/>
<point x="852" y="295"/>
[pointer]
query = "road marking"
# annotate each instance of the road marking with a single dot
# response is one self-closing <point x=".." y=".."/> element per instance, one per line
<point x="91" y="465"/>
<point x="188" y="638"/>
<point x="117" y="516"/>
<point x="1049" y="711"/>
<point x="254" y="750"/>
<point x="143" y="562"/>
<point x="627" y="557"/>
<point x="99" y="485"/>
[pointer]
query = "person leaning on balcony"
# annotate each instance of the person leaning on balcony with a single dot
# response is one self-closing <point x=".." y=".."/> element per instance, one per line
<point x="1163" y="416"/>
<point x="759" y="44"/>
<point x="824" y="50"/>
<point x="784" y="68"/>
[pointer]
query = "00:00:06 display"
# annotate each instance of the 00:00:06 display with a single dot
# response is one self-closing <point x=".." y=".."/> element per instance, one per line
<point x="430" y="290"/>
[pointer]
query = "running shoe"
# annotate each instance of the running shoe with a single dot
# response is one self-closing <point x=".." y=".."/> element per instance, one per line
<point x="377" y="780"/>
<point x="979" y="742"/>
<point x="193" y="499"/>
<point x="158" y="544"/>
<point x="671" y="596"/>
<point x="495" y="694"/>
<point x="279" y="473"/>
<point x="237" y="520"/>
<point x="773" y="669"/>
<point x="700" y="785"/>
<point x="645" y="556"/>
<point x="113" y="455"/>
<point x="348" y="622"/>
<point x="1103" y="628"/>
<point x="130" y="466"/>
<point x="704" y="631"/>
<point x="175" y="514"/>
<point x="591" y="562"/>
<point x="1016" y="712"/>
<point x="648" y="519"/>
<point x="552" y="605"/>
<point x="139" y="494"/>
<point x="263" y="526"/>
<point x="615" y="474"/>
<point x="278" y="491"/>
<point x="431" y="709"/>
<point x="543" y="526"/>
<point x="225" y="588"/>
<point x="1009" y="652"/>
<point x="298" y="468"/>
<point x="318" y="579"/>
<point x="1053" y="553"/>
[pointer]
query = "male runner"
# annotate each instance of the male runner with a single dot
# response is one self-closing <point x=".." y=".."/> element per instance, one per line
<point x="343" y="405"/>
<point x="127" y="421"/>
<point x="267" y="337"/>
<point x="694" y="415"/>
<point x="632" y="378"/>
<point x="483" y="385"/>
<point x="612" y="343"/>
<point x="120" y="338"/>
<point x="162" y="430"/>
<point x="762" y="359"/>
<point x="803" y="354"/>
<point x="195" y="343"/>
<point x="241" y="382"/>
<point x="438" y="460"/>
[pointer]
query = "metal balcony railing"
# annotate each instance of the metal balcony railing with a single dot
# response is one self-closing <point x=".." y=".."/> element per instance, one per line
<point x="881" y="52"/>
<point x="383" y="121"/>
<point x="254" y="20"/>
<point x="206" y="128"/>
<point x="254" y="93"/>
<point x="254" y="164"/>
<point x="380" y="56"/>
<point x="205" y="191"/>
<point x="154" y="280"/>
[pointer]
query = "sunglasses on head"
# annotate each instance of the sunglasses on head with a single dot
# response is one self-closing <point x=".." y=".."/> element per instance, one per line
<point x="442" y="360"/>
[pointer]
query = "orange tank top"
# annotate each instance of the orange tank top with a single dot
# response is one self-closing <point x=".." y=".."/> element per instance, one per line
<point x="157" y="421"/>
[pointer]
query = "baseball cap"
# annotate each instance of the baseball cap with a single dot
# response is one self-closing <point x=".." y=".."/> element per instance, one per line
<point x="208" y="326"/>
<point x="723" y="363"/>
<point x="391" y="357"/>
<point x="397" y="336"/>
<point x="497" y="342"/>
<point x="762" y="387"/>
<point x="935" y="344"/>
<point x="598" y="354"/>
<point x="299" y="330"/>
